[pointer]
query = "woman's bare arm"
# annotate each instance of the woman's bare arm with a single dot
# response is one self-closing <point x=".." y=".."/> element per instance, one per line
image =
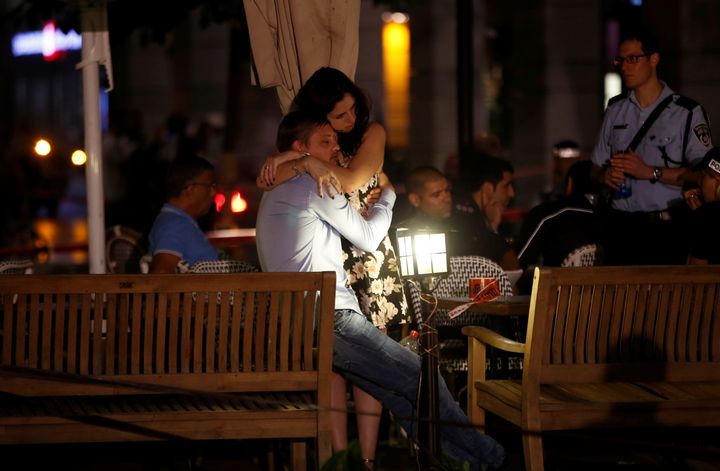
<point x="278" y="169"/>
<point x="367" y="161"/>
<point x="322" y="173"/>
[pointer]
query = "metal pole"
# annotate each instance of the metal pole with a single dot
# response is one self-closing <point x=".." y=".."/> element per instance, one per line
<point x="428" y="409"/>
<point x="94" y="50"/>
<point x="465" y="76"/>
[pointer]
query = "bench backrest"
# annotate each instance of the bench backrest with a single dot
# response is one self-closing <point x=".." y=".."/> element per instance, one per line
<point x="210" y="332"/>
<point x="601" y="324"/>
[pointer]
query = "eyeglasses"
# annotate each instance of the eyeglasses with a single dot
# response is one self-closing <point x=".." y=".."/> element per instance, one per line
<point x="209" y="185"/>
<point x="619" y="61"/>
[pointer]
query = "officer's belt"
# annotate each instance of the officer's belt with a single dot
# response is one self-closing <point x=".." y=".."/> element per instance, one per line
<point x="663" y="215"/>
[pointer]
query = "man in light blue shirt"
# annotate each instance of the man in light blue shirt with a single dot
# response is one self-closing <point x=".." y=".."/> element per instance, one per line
<point x="175" y="234"/>
<point x="646" y="227"/>
<point x="297" y="230"/>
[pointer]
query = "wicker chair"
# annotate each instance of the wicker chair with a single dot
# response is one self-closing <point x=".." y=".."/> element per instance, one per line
<point x="584" y="256"/>
<point x="123" y="250"/>
<point x="223" y="266"/>
<point x="17" y="267"/>
<point x="453" y="345"/>
<point x="456" y="283"/>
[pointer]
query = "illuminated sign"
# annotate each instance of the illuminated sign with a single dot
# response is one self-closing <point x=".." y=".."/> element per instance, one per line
<point x="48" y="42"/>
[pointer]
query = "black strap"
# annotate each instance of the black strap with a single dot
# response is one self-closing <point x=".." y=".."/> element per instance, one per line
<point x="688" y="123"/>
<point x="649" y="122"/>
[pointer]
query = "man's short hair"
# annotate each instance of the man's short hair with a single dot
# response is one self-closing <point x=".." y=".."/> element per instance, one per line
<point x="647" y="40"/>
<point x="182" y="171"/>
<point x="580" y="174"/>
<point x="484" y="168"/>
<point x="297" y="126"/>
<point x="419" y="176"/>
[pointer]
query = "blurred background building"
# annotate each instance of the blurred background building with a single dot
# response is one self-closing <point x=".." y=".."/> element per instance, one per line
<point x="541" y="73"/>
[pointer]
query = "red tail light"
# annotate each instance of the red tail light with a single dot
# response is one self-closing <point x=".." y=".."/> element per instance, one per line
<point x="219" y="201"/>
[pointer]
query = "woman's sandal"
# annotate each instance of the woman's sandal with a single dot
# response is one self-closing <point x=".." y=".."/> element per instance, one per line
<point x="369" y="461"/>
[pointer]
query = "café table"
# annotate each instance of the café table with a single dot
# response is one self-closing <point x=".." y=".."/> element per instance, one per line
<point x="505" y="314"/>
<point x="501" y="306"/>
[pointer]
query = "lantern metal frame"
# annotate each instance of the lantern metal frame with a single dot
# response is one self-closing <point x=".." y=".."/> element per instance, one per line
<point x="423" y="258"/>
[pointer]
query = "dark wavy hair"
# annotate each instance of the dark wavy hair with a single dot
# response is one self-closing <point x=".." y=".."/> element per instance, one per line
<point x="322" y="91"/>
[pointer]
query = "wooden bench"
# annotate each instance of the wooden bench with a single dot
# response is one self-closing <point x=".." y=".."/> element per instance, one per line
<point x="101" y="358"/>
<point x="607" y="347"/>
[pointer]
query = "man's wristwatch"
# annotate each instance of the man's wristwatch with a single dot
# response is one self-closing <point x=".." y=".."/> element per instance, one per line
<point x="656" y="174"/>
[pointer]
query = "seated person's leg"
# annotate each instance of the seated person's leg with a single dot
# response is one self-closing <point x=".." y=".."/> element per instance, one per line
<point x="338" y="416"/>
<point x="390" y="372"/>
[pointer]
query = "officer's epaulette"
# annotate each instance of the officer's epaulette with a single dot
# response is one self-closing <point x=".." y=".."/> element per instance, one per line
<point x="619" y="97"/>
<point x="685" y="102"/>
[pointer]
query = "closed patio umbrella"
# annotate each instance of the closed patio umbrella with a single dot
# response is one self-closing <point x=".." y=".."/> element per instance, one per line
<point x="291" y="39"/>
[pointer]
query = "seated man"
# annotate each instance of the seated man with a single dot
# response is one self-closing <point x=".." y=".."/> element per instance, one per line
<point x="175" y="234"/>
<point x="555" y="228"/>
<point x="488" y="188"/>
<point x="428" y="191"/>
<point x="297" y="230"/>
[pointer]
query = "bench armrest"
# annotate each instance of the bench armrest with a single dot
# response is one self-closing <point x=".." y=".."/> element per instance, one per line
<point x="492" y="338"/>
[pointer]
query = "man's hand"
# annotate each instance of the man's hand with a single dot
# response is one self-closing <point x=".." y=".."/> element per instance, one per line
<point x="384" y="182"/>
<point x="612" y="177"/>
<point x="693" y="198"/>
<point x="493" y="213"/>
<point x="373" y="197"/>
<point x="324" y="177"/>
<point x="630" y="163"/>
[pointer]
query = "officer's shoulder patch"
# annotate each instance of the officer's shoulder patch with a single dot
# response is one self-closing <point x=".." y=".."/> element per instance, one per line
<point x="702" y="132"/>
<point x="616" y="98"/>
<point x="685" y="102"/>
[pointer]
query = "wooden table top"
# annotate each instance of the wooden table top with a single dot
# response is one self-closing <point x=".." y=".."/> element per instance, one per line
<point x="503" y="306"/>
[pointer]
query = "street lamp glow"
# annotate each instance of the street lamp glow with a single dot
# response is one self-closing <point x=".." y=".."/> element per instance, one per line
<point x="78" y="158"/>
<point x="396" y="78"/>
<point x="42" y="148"/>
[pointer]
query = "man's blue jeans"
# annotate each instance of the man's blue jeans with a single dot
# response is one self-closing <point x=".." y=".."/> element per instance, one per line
<point x="382" y="367"/>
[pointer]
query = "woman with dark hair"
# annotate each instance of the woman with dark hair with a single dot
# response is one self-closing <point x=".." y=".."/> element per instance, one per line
<point x="373" y="275"/>
<point x="362" y="143"/>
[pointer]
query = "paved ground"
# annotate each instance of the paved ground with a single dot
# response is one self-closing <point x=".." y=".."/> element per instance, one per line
<point x="628" y="450"/>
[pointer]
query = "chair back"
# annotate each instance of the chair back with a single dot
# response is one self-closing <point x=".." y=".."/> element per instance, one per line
<point x="123" y="250"/>
<point x="456" y="283"/>
<point x="223" y="266"/>
<point x="17" y="267"/>
<point x="583" y="256"/>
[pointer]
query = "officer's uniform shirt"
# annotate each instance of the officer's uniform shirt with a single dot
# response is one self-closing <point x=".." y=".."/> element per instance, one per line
<point x="624" y="117"/>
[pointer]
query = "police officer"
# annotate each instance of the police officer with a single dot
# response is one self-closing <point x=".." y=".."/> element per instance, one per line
<point x="645" y="226"/>
<point x="705" y="240"/>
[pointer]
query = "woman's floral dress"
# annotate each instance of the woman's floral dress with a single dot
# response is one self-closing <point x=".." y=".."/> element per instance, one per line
<point x="374" y="275"/>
